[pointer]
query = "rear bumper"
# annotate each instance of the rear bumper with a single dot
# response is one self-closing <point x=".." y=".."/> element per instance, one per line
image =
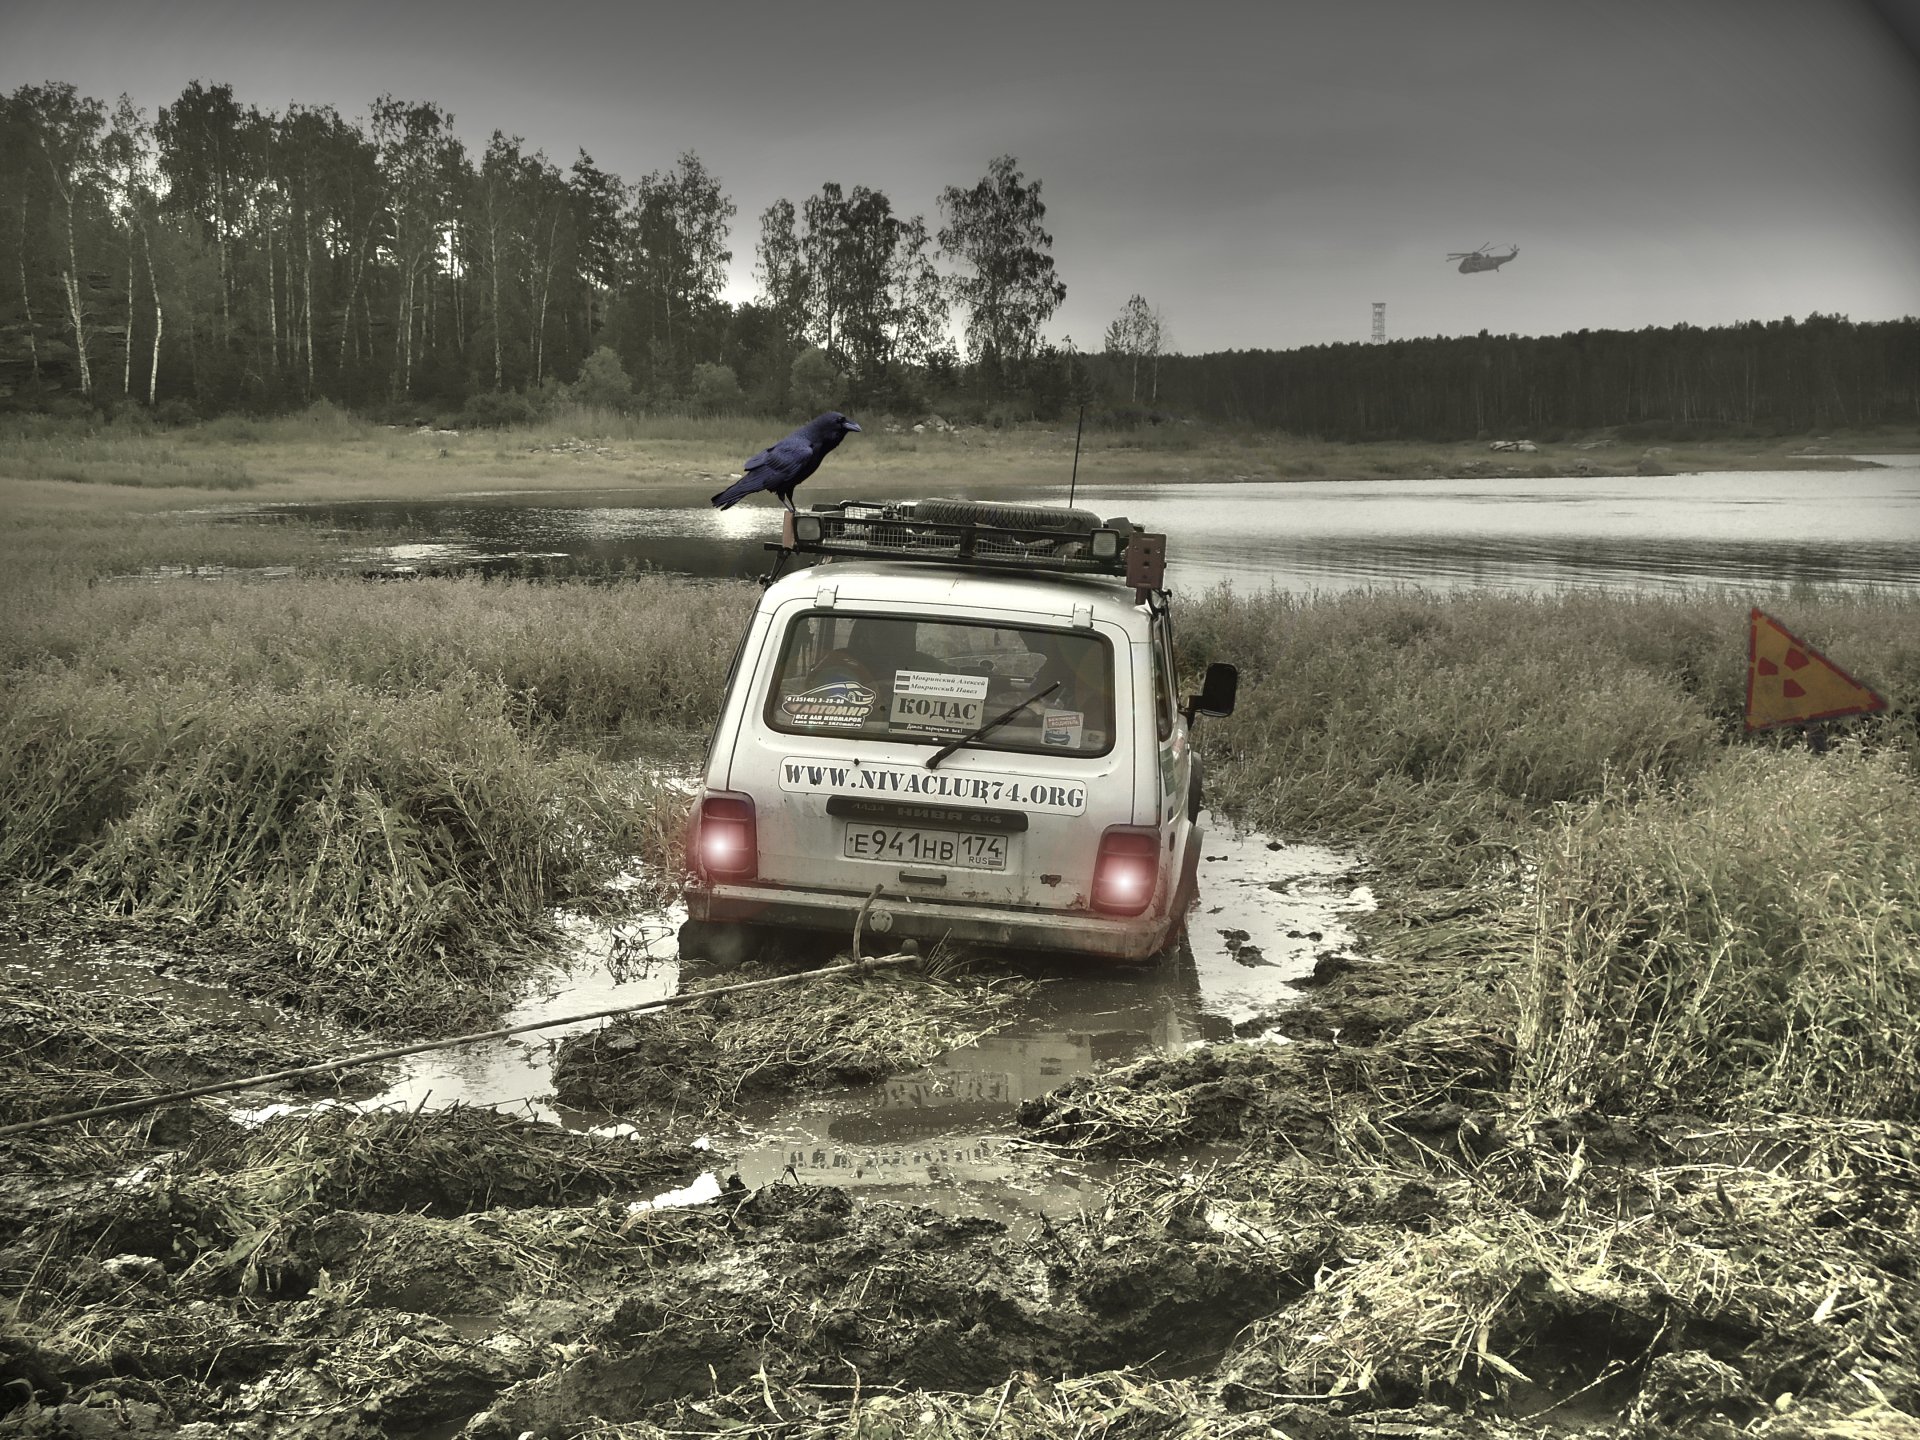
<point x="894" y="917"/>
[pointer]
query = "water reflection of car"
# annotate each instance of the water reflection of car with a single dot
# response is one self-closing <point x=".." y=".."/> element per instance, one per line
<point x="963" y="717"/>
<point x="945" y="1112"/>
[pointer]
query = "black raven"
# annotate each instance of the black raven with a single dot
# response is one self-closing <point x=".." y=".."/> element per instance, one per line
<point x="782" y="466"/>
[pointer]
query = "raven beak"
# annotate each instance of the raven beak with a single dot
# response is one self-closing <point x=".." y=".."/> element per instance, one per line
<point x="850" y="425"/>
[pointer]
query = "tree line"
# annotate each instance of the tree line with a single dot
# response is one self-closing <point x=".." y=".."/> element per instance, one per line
<point x="222" y="257"/>
<point x="1780" y="376"/>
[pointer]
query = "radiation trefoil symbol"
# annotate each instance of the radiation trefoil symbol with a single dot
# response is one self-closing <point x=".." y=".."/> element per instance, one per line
<point x="1790" y="683"/>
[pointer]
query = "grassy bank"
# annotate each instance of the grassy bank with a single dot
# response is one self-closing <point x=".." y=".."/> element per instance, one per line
<point x="318" y="719"/>
<point x="397" y="783"/>
<point x="329" y="454"/>
<point x="365" y="800"/>
<point x="1446" y="730"/>
<point x="1709" y="917"/>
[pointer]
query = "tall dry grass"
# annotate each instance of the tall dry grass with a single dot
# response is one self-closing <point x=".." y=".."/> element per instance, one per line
<point x="1442" y="728"/>
<point x="1719" y="919"/>
<point x="642" y="655"/>
<point x="365" y="798"/>
<point x="393" y="858"/>
<point x="1441" y="731"/>
<point x="1752" y="934"/>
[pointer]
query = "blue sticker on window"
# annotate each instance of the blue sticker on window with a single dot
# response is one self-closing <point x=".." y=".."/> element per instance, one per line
<point x="838" y="702"/>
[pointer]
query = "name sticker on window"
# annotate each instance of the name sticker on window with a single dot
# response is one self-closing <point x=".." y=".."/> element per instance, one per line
<point x="938" y="703"/>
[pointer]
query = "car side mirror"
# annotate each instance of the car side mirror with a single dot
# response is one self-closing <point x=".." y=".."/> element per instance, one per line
<point x="1217" y="692"/>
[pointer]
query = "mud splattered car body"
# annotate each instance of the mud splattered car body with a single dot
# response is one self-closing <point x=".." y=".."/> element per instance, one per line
<point x="966" y="716"/>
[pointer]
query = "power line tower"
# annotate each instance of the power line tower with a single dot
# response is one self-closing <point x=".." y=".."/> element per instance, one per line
<point x="1379" y="322"/>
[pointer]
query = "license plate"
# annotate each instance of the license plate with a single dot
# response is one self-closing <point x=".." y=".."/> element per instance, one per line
<point x="951" y="1087"/>
<point x="951" y="848"/>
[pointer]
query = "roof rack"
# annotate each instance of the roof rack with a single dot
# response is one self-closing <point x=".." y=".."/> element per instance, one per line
<point x="978" y="534"/>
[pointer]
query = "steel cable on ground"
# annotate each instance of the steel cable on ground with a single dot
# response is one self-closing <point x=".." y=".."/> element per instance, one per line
<point x="248" y="1082"/>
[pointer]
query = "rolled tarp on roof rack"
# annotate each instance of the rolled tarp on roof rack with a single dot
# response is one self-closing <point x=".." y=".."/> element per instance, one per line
<point x="981" y="534"/>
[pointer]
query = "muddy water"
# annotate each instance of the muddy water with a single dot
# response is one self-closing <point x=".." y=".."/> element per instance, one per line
<point x="600" y="967"/>
<point x="1267" y="913"/>
<point x="946" y="1135"/>
<point x="943" y="1136"/>
<point x="127" y="971"/>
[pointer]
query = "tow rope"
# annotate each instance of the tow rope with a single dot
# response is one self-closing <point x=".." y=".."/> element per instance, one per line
<point x="248" y="1082"/>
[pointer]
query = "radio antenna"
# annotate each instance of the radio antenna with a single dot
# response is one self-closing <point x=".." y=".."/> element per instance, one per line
<point x="1074" y="483"/>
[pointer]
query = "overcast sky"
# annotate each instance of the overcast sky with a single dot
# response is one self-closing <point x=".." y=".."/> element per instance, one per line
<point x="1261" y="172"/>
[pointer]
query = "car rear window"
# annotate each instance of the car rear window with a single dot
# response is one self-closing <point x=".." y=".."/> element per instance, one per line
<point x="930" y="682"/>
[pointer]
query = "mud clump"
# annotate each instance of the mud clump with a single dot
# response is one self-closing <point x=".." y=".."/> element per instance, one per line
<point x="809" y="1287"/>
<point x="1312" y="1097"/>
<point x="443" y="1162"/>
<point x="288" y="1279"/>
<point x="70" y="1049"/>
<point x="1688" y="1273"/>
<point x="706" y="1057"/>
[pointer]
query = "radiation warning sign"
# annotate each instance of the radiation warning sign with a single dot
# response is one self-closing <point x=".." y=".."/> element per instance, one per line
<point x="1789" y="682"/>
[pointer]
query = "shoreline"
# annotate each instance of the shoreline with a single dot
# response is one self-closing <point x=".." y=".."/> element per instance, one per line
<point x="295" y="461"/>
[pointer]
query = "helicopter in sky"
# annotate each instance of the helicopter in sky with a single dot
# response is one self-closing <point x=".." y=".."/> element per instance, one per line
<point x="1472" y="261"/>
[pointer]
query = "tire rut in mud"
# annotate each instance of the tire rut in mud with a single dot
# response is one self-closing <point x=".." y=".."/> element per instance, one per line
<point x="809" y="1286"/>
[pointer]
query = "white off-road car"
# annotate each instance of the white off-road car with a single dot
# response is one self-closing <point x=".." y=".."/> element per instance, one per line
<point x="961" y="717"/>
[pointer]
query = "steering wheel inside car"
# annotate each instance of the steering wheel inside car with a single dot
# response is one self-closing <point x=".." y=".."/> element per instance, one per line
<point x="842" y="664"/>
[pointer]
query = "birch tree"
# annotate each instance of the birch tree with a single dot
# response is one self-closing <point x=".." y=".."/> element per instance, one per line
<point x="681" y="221"/>
<point x="24" y="192"/>
<point x="132" y="163"/>
<point x="1007" y="282"/>
<point x="200" y="154"/>
<point x="68" y="135"/>
<point x="421" y="162"/>
<point x="781" y="270"/>
<point x="494" y="233"/>
<point x="1136" y="335"/>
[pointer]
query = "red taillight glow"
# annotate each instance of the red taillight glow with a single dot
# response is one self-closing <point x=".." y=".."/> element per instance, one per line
<point x="1126" y="870"/>
<point x="725" y="842"/>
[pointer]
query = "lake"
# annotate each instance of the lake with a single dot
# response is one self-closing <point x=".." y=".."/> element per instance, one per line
<point x="1750" y="529"/>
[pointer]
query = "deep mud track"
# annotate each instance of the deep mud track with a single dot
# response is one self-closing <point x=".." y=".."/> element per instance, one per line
<point x="953" y="1203"/>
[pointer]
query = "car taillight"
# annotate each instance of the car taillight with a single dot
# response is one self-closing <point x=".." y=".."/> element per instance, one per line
<point x="726" y="844"/>
<point x="1125" y="870"/>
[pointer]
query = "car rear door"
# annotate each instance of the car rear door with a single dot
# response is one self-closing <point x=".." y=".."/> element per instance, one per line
<point x="843" y="812"/>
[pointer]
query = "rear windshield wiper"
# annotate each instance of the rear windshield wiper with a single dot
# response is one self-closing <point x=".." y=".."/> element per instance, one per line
<point x="994" y="724"/>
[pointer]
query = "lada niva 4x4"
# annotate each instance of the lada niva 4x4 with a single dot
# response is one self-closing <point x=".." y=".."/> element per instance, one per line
<point x="962" y="718"/>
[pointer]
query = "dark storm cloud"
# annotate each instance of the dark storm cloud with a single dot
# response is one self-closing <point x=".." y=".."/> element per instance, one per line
<point x="1262" y="174"/>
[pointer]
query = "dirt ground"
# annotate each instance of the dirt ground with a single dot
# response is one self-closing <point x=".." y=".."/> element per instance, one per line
<point x="1350" y="1233"/>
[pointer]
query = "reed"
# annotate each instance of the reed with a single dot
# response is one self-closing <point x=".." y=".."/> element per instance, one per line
<point x="390" y="858"/>
<point x="591" y="659"/>
<point x="1443" y="729"/>
<point x="1752" y="936"/>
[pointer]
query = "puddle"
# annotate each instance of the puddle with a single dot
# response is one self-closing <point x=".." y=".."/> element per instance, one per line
<point x="603" y="966"/>
<point x="944" y="1136"/>
<point x="167" y="574"/>
<point x="406" y="561"/>
<point x="1268" y="912"/>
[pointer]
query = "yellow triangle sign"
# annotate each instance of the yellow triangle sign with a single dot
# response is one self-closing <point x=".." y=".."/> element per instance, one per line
<point x="1789" y="682"/>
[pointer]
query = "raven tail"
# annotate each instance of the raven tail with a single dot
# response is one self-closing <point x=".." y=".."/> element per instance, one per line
<point x="735" y="493"/>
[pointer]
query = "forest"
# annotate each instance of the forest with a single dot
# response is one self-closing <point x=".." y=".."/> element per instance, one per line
<point x="219" y="258"/>
<point x="1675" y="382"/>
